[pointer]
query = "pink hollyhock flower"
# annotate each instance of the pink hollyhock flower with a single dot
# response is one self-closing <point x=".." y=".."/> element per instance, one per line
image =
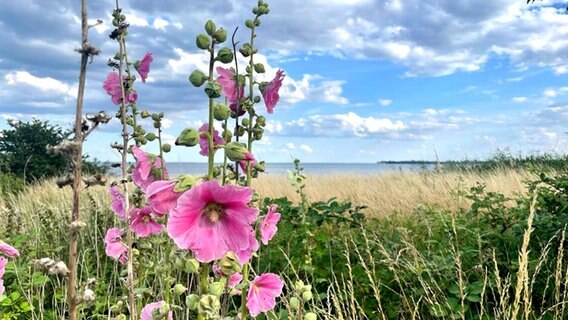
<point x="132" y="96"/>
<point x="227" y="80"/>
<point x="263" y="292"/>
<point x="270" y="91"/>
<point x="204" y="141"/>
<point x="112" y="87"/>
<point x="245" y="254"/>
<point x="143" y="67"/>
<point x="243" y="163"/>
<point x="143" y="223"/>
<point x="3" y="263"/>
<point x="162" y="197"/>
<point x="268" y="225"/>
<point x="142" y="174"/>
<point x="147" y="311"/>
<point x="235" y="279"/>
<point x="114" y="246"/>
<point x="211" y="220"/>
<point x="8" y="250"/>
<point x="117" y="204"/>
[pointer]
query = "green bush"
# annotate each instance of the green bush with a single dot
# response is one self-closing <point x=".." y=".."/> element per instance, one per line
<point x="23" y="151"/>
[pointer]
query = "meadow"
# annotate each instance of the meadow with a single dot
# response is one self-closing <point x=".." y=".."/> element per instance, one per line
<point x="422" y="245"/>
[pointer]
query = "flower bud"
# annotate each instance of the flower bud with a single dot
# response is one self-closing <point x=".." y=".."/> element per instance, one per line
<point x="249" y="24"/>
<point x="166" y="147"/>
<point x="227" y="135"/>
<point x="259" y="68"/>
<point x="192" y="266"/>
<point x="310" y="316"/>
<point x="236" y="151"/>
<point x="256" y="99"/>
<point x="216" y="288"/>
<point x="221" y="35"/>
<point x="230" y="264"/>
<point x="245" y="122"/>
<point x="179" y="289"/>
<point x="241" y="131"/>
<point x="307" y="296"/>
<point x="210" y="27"/>
<point x="294" y="303"/>
<point x="203" y="42"/>
<point x="261" y="121"/>
<point x="185" y="182"/>
<point x="221" y="112"/>
<point x="260" y="167"/>
<point x="246" y="50"/>
<point x="189" y="137"/>
<point x="179" y="263"/>
<point x="225" y="55"/>
<point x="121" y="317"/>
<point x="209" y="305"/>
<point x="213" y="89"/>
<point x="150" y="136"/>
<point x="299" y="286"/>
<point x="197" y="78"/>
<point x="144" y="114"/>
<point x="191" y="301"/>
<point x="155" y="117"/>
<point x="157" y="124"/>
<point x="162" y="311"/>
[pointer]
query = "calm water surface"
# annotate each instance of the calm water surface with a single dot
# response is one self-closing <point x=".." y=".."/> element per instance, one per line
<point x="194" y="168"/>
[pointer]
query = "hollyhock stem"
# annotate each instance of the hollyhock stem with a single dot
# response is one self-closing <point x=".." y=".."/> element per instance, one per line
<point x="161" y="151"/>
<point x="73" y="233"/>
<point x="238" y="106"/>
<point x="244" y="310"/>
<point x="125" y="136"/>
<point x="211" y="155"/>
<point x="251" y="97"/>
<point x="224" y="180"/>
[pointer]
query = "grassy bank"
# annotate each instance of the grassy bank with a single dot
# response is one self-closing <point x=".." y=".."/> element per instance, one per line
<point x="429" y="245"/>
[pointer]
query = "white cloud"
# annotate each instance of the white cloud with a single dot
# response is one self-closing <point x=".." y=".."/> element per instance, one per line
<point x="160" y="24"/>
<point x="290" y="146"/>
<point x="549" y="93"/>
<point x="385" y="102"/>
<point x="273" y="126"/>
<point x="135" y="20"/>
<point x="306" y="149"/>
<point x="560" y="70"/>
<point x="46" y="84"/>
<point x="520" y="99"/>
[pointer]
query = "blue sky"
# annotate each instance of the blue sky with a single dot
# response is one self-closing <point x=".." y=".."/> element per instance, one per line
<point x="366" y="80"/>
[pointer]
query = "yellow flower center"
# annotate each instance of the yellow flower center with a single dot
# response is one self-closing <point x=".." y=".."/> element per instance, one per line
<point x="213" y="211"/>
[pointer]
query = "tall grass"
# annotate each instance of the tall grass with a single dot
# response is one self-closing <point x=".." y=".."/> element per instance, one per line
<point x="422" y="263"/>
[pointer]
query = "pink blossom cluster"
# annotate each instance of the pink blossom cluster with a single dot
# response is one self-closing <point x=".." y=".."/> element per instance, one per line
<point x="209" y="219"/>
<point x="8" y="251"/>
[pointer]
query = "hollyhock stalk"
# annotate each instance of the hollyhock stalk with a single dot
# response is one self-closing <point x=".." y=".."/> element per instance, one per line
<point x="244" y="310"/>
<point x="125" y="135"/>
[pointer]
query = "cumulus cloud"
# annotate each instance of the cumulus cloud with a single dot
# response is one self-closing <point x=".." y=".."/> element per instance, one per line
<point x="306" y="149"/>
<point x="385" y="102"/>
<point x="46" y="84"/>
